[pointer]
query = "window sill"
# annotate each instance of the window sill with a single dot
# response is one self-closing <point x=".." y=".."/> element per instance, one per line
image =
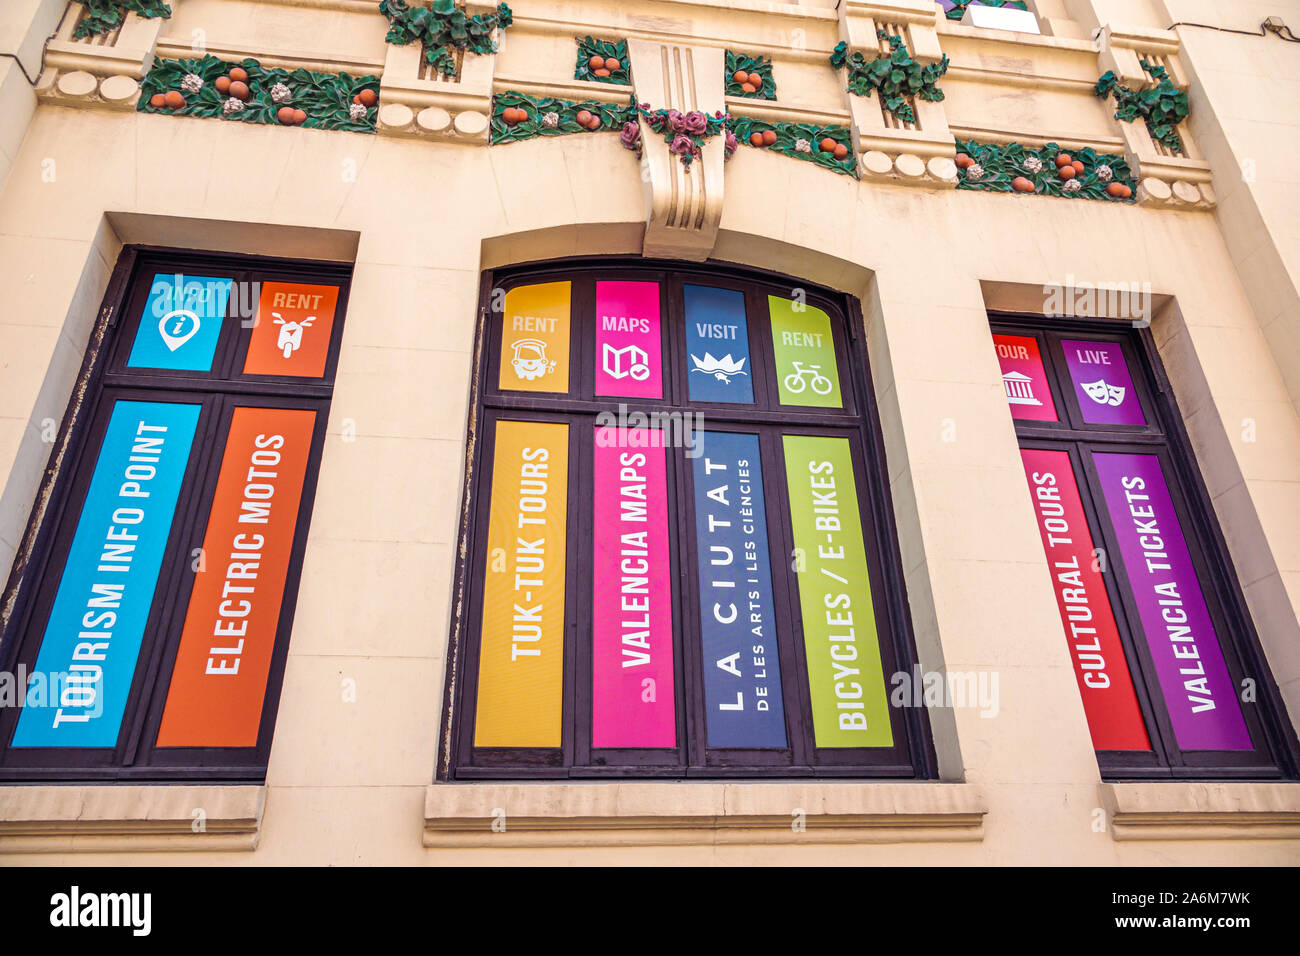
<point x="657" y="814"/>
<point x="115" y="819"/>
<point x="1203" y="811"/>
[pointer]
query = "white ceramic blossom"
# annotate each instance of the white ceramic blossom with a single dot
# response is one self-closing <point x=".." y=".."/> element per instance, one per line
<point x="191" y="83"/>
<point x="281" y="93"/>
<point x="232" y="105"/>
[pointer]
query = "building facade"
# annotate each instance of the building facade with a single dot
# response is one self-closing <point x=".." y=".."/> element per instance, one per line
<point x="658" y="432"/>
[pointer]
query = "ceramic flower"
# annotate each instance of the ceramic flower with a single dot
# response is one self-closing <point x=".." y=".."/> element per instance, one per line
<point x="974" y="172"/>
<point x="550" y="120"/>
<point x="802" y="146"/>
<point x="1072" y="186"/>
<point x="191" y="83"/>
<point x="232" y="105"/>
<point x="695" y="123"/>
<point x="1104" y="173"/>
<point x="281" y="93"/>
<point x="630" y="135"/>
<point x="1034" y="164"/>
<point x="356" y="111"/>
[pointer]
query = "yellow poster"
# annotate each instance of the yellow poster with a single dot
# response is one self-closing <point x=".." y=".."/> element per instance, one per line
<point x="521" y="657"/>
<point x="535" y="338"/>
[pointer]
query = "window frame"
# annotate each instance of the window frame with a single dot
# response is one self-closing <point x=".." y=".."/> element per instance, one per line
<point x="37" y="571"/>
<point x="1164" y="436"/>
<point x="857" y="420"/>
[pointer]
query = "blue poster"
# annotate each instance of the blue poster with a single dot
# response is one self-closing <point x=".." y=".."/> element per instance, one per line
<point x="742" y="672"/>
<point x="92" y="640"/>
<point x="181" y="323"/>
<point x="717" y="346"/>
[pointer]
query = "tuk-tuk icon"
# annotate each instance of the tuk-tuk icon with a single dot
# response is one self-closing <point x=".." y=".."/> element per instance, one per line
<point x="530" y="359"/>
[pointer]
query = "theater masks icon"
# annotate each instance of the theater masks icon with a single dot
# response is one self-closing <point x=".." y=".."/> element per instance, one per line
<point x="1104" y="394"/>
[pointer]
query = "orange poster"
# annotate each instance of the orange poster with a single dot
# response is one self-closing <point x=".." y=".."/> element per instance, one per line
<point x="535" y="338"/>
<point x="521" y="658"/>
<point x="291" y="335"/>
<point x="219" y="681"/>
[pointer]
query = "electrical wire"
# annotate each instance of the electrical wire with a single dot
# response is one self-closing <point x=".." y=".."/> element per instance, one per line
<point x="1263" y="31"/>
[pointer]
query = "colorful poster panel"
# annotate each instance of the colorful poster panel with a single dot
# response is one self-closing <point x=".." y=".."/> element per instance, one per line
<point x="845" y="675"/>
<point x="628" y="341"/>
<point x="181" y="323"/>
<point x="535" y="338"/>
<point x="1109" y="701"/>
<point x="1024" y="380"/>
<point x="804" y="349"/>
<point x="717" y="346"/>
<point x="96" y="627"/>
<point x="1198" y="691"/>
<point x="291" y="334"/>
<point x="742" y="670"/>
<point x="521" y="653"/>
<point x="1102" y="384"/>
<point x="218" y="683"/>
<point x="632" y="615"/>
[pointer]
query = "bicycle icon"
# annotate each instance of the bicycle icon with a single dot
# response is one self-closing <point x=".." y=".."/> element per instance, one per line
<point x="795" y="383"/>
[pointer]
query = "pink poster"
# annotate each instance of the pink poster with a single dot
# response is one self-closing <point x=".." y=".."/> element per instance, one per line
<point x="628" y="358"/>
<point x="632" y="626"/>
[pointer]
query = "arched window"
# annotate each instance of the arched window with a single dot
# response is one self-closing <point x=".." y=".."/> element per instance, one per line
<point x="679" y="556"/>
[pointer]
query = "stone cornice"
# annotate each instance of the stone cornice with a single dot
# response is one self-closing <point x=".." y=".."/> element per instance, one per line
<point x="641" y="814"/>
<point x="1171" y="810"/>
<point x="113" y="818"/>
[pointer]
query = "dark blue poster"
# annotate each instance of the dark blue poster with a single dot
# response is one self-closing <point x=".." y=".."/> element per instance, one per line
<point x="717" y="346"/>
<point x="742" y="674"/>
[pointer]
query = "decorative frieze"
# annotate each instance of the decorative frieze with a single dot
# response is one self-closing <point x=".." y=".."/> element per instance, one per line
<point x="1049" y="171"/>
<point x="824" y="146"/>
<point x="247" y="92"/>
<point x="518" y="116"/>
<point x="602" y="61"/>
<point x="749" y="76"/>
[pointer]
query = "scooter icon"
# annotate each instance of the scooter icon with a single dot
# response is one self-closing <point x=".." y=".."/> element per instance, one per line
<point x="290" y="339"/>
<point x="794" y="382"/>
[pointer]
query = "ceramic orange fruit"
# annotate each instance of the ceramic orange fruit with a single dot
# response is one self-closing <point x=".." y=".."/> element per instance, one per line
<point x="748" y="87"/>
<point x="239" y="74"/>
<point x="769" y="137"/>
<point x="1066" y="172"/>
<point x="239" y="90"/>
<point x="827" y="145"/>
<point x="157" y="101"/>
<point x="601" y="72"/>
<point x="173" y="100"/>
<point x="1078" y="167"/>
<point x="1022" y="185"/>
<point x="222" y="84"/>
<point x="841" y="151"/>
<point x="299" y="117"/>
<point x="756" y="139"/>
<point x="368" y="98"/>
<point x="740" y="76"/>
<point x="755" y="81"/>
<point x="612" y="64"/>
<point x="285" y="115"/>
<point x="596" y="63"/>
<point x="1063" y="159"/>
<point x="583" y="117"/>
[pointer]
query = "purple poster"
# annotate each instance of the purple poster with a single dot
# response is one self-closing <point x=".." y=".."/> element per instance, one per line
<point x="1102" y="383"/>
<point x="1198" y="691"/>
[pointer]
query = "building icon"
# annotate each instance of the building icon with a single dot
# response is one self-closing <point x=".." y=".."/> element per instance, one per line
<point x="1020" y="389"/>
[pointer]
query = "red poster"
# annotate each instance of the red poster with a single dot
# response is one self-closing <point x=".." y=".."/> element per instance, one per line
<point x="219" y="681"/>
<point x="1023" y="378"/>
<point x="1101" y="670"/>
<point x="291" y="335"/>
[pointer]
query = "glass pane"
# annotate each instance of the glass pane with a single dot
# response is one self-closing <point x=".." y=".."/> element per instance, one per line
<point x="717" y="346"/>
<point x="742" y="672"/>
<point x="181" y="323"/>
<point x="1102" y="383"/>
<point x="804" y="348"/>
<point x="1023" y="378"/>
<point x="291" y="335"/>
<point x="628" y="343"/>
<point x="535" y="338"/>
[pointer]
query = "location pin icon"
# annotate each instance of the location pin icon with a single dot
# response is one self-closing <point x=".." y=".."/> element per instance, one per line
<point x="178" y="327"/>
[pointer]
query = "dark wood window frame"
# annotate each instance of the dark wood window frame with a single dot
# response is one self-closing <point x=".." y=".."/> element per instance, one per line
<point x="1275" y="754"/>
<point x="912" y="755"/>
<point x="104" y="378"/>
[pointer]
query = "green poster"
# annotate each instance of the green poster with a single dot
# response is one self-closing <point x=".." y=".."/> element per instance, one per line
<point x="805" y="354"/>
<point x="845" y="678"/>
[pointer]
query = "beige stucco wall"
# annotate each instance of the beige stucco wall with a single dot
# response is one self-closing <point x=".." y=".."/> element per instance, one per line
<point x="347" y="779"/>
